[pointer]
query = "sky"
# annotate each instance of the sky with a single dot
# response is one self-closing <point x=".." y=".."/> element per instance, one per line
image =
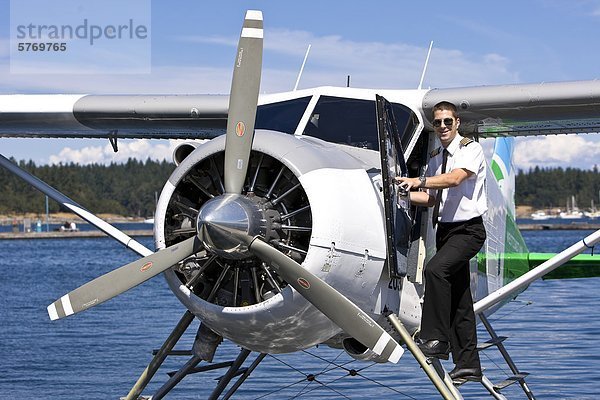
<point x="380" y="44"/>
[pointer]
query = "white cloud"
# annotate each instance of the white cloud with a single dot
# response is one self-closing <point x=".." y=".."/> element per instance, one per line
<point x="580" y="151"/>
<point x="211" y="39"/>
<point x="141" y="149"/>
<point x="386" y="65"/>
<point x="172" y="80"/>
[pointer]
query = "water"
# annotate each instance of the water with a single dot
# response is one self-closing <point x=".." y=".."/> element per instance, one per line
<point x="99" y="354"/>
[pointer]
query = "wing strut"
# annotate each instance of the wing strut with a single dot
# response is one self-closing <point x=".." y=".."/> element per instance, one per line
<point x="72" y="205"/>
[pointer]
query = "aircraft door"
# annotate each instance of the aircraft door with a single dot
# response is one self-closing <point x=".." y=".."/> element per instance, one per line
<point x="398" y="222"/>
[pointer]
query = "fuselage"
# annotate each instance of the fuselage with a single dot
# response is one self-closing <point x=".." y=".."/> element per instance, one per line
<point x="326" y="141"/>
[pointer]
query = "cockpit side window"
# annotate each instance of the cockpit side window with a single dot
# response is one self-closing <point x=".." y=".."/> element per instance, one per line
<point x="345" y="121"/>
<point x="283" y="116"/>
<point x="353" y="122"/>
<point x="407" y="122"/>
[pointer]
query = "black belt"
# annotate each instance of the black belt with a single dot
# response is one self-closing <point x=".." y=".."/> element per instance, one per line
<point x="450" y="225"/>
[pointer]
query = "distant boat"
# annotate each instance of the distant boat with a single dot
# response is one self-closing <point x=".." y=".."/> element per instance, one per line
<point x="592" y="214"/>
<point x="572" y="212"/>
<point x="541" y="215"/>
<point x="571" y="215"/>
<point x="149" y="221"/>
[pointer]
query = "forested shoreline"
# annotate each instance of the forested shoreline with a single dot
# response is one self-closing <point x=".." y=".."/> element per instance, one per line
<point x="125" y="189"/>
<point x="551" y="187"/>
<point x="130" y="188"/>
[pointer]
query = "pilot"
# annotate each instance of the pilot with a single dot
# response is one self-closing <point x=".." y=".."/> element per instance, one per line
<point x="454" y="185"/>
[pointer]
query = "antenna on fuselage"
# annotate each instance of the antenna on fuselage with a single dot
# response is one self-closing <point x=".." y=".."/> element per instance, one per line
<point x="425" y="66"/>
<point x="302" y="68"/>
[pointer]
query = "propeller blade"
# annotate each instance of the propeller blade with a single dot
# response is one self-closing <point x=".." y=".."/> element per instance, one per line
<point x="120" y="280"/>
<point x="330" y="302"/>
<point x="242" y="102"/>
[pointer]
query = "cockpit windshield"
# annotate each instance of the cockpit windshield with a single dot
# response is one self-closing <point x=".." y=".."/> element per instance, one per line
<point x="336" y="119"/>
<point x="283" y="116"/>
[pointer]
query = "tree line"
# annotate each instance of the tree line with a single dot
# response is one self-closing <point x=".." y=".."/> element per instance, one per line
<point x="125" y="189"/>
<point x="551" y="187"/>
<point x="130" y="188"/>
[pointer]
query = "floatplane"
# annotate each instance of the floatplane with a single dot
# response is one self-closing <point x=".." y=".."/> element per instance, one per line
<point x="287" y="231"/>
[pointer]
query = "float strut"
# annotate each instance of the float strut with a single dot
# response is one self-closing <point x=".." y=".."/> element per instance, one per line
<point x="224" y="381"/>
<point x="242" y="378"/>
<point x="176" y="378"/>
<point x="160" y="356"/>
<point x="421" y="359"/>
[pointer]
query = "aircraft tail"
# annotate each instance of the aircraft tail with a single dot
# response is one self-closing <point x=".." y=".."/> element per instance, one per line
<point x="503" y="170"/>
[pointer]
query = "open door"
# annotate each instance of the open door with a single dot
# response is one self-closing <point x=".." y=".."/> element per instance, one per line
<point x="396" y="201"/>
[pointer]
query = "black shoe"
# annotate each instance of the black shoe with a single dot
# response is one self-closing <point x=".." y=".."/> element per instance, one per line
<point x="469" y="374"/>
<point x="435" y="348"/>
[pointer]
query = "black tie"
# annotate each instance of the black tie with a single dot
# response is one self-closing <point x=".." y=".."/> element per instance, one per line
<point x="438" y="196"/>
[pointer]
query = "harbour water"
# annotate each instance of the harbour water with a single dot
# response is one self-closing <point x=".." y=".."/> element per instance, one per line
<point x="553" y="331"/>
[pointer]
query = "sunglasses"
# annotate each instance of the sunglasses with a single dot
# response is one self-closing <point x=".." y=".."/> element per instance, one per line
<point x="447" y="121"/>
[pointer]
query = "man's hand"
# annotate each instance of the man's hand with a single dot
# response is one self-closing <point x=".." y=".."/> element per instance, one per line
<point x="417" y="198"/>
<point x="407" y="183"/>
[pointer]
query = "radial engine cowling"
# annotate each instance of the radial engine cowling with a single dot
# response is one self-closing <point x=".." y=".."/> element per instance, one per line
<point x="315" y="203"/>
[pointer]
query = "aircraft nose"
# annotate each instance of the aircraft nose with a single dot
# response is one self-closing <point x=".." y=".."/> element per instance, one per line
<point x="226" y="225"/>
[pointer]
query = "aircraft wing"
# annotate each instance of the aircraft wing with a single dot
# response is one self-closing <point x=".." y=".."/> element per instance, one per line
<point x="524" y="109"/>
<point x="486" y="111"/>
<point x="112" y="116"/>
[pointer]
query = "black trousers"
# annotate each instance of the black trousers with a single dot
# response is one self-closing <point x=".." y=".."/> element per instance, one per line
<point x="448" y="306"/>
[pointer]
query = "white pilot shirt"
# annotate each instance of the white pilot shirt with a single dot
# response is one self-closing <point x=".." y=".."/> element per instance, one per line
<point x="467" y="200"/>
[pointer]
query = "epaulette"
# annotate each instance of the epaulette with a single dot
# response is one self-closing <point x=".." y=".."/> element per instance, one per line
<point x="465" y="141"/>
<point x="435" y="152"/>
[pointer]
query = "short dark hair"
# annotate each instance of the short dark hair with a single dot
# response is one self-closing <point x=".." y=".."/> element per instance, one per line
<point x="445" y="106"/>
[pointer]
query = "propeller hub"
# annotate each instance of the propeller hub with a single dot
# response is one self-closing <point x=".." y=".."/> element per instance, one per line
<point x="227" y="224"/>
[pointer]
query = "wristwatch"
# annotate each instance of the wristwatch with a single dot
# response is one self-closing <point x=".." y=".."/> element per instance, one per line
<point x="423" y="181"/>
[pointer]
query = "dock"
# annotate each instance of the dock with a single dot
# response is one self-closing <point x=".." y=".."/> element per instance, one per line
<point x="69" y="235"/>
<point x="579" y="226"/>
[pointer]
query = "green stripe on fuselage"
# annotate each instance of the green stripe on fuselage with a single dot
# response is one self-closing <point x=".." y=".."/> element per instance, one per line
<point x="497" y="171"/>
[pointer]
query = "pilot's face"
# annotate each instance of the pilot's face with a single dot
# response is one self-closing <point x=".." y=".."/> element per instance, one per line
<point x="446" y="133"/>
